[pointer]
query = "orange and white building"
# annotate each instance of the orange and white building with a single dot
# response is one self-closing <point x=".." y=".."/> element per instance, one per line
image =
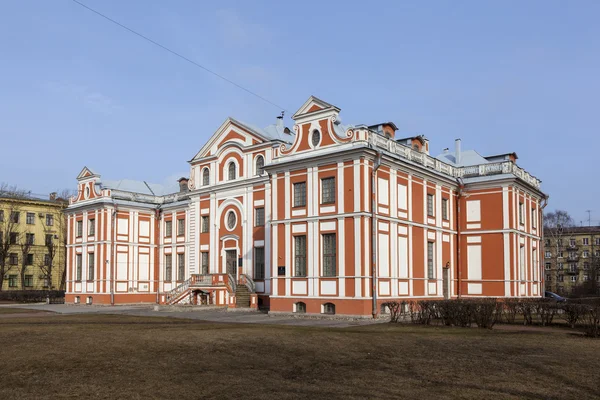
<point x="324" y="218"/>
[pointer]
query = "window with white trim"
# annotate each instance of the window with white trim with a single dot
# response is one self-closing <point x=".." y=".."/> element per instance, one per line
<point x="259" y="263"/>
<point x="260" y="165"/>
<point x="328" y="190"/>
<point x="231" y="171"/>
<point x="91" y="266"/>
<point x="329" y="255"/>
<point x="204" y="262"/>
<point x="430" y="200"/>
<point x="259" y="216"/>
<point x="430" y="260"/>
<point x="168" y="267"/>
<point x="205" y="177"/>
<point x="586" y="241"/>
<point x="445" y="209"/>
<point x="299" y="255"/>
<point x="180" y="267"/>
<point x="299" y="194"/>
<point x="205" y="224"/>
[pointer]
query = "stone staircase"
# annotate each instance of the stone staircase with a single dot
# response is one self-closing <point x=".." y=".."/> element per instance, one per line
<point x="242" y="296"/>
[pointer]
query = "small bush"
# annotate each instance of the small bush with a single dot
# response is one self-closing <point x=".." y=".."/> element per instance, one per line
<point x="510" y="310"/>
<point x="33" y="296"/>
<point x="546" y="309"/>
<point x="395" y="309"/>
<point x="486" y="312"/>
<point x="591" y="320"/>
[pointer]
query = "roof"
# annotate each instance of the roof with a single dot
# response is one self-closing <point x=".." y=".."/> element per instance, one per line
<point x="467" y="158"/>
<point x="577" y="230"/>
<point x="390" y="123"/>
<point x="142" y="187"/>
<point x="271" y="132"/>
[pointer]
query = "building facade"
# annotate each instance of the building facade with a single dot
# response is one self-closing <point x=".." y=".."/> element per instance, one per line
<point x="571" y="258"/>
<point x="32" y="243"/>
<point x="323" y="218"/>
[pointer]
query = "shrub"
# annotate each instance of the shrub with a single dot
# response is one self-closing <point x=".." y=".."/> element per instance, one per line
<point x="33" y="296"/>
<point x="510" y="310"/>
<point x="395" y="310"/>
<point x="527" y="307"/>
<point x="591" y="320"/>
<point x="486" y="312"/>
<point x="572" y="313"/>
<point x="427" y="312"/>
<point x="546" y="309"/>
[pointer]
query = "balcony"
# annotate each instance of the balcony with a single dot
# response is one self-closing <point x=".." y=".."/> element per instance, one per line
<point x="572" y="247"/>
<point x="573" y="272"/>
<point x="504" y="167"/>
<point x="573" y="258"/>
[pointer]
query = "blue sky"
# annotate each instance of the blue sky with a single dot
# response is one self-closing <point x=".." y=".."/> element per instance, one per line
<point x="504" y="76"/>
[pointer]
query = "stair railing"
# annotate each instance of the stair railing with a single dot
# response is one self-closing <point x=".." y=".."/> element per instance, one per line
<point x="231" y="285"/>
<point x="172" y="295"/>
<point x="246" y="280"/>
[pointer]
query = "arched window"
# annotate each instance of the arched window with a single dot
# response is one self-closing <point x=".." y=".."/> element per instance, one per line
<point x="260" y="165"/>
<point x="328" y="308"/>
<point x="205" y="177"/>
<point x="316" y="138"/>
<point x="231" y="171"/>
<point x="300" y="308"/>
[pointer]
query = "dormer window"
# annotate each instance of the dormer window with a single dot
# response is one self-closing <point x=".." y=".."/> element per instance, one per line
<point x="231" y="171"/>
<point x="315" y="138"/>
<point x="260" y="165"/>
<point x="205" y="177"/>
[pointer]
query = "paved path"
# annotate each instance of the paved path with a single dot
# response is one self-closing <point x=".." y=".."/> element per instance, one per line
<point x="209" y="315"/>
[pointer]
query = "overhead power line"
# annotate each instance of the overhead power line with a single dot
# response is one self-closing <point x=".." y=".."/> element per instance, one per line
<point x="179" y="55"/>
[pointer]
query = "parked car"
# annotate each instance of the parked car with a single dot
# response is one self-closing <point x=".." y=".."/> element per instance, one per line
<point x="551" y="295"/>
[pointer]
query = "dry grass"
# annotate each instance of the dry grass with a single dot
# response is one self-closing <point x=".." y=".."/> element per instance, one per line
<point x="102" y="356"/>
<point x="8" y="310"/>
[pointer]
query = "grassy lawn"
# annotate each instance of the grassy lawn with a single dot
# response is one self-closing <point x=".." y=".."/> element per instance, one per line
<point x="7" y="310"/>
<point x="110" y="356"/>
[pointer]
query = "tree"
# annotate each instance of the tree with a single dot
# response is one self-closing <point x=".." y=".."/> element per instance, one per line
<point x="26" y="245"/>
<point x="9" y="233"/>
<point x="557" y="228"/>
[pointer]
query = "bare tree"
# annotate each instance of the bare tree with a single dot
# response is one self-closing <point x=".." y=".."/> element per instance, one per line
<point x="13" y="191"/>
<point x="557" y="229"/>
<point x="9" y="232"/>
<point x="26" y="244"/>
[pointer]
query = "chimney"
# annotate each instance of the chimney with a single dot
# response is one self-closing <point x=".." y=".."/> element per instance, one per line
<point x="183" y="184"/>
<point x="457" y="156"/>
<point x="446" y="150"/>
<point x="53" y="196"/>
<point x="280" y="121"/>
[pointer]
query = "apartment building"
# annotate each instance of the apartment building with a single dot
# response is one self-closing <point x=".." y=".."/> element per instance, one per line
<point x="323" y="218"/>
<point x="32" y="243"/>
<point x="571" y="258"/>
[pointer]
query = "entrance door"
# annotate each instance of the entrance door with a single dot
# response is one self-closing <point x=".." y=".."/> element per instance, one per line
<point x="231" y="262"/>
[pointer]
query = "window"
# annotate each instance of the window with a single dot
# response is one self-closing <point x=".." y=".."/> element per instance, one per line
<point x="259" y="263"/>
<point x="586" y="266"/>
<point x="300" y="194"/>
<point x="315" y="138"/>
<point x="12" y="281"/>
<point x="299" y="255"/>
<point x="572" y="254"/>
<point x="561" y="265"/>
<point x="328" y="190"/>
<point x="205" y="177"/>
<point x="548" y="278"/>
<point x="204" y="262"/>
<point x="30" y="218"/>
<point x="180" y="267"/>
<point x="91" y="266"/>
<point x="28" y="281"/>
<point x="573" y="267"/>
<point x="168" y="228"/>
<point x="260" y="217"/>
<point x="29" y="238"/>
<point x="13" y="238"/>
<point x="561" y="254"/>
<point x="328" y="308"/>
<point x="586" y="254"/>
<point x="48" y="239"/>
<point x="574" y="279"/>
<point x="13" y="259"/>
<point x="231" y="171"/>
<point x="533" y="218"/>
<point x="79" y="228"/>
<point x="1" y="215"/>
<point x="586" y="277"/>
<point x="561" y="278"/>
<point x="14" y="217"/>
<point x="300" y="308"/>
<point x="559" y="242"/>
<point x="29" y="259"/>
<point x="597" y="241"/>
<point x="329" y="255"/>
<point x="430" y="263"/>
<point x="521" y="213"/>
<point x="445" y="209"/>
<point x="597" y="253"/>
<point x="78" y="267"/>
<point x="49" y="220"/>
<point x="47" y="260"/>
<point x="91" y="227"/>
<point x="522" y="262"/>
<point x="430" y="205"/>
<point x="231" y="220"/>
<point x="571" y="242"/>
<point x="260" y="165"/>
<point x="168" y="267"/>
<point x="180" y="227"/>
<point x="205" y="224"/>
<point x="548" y="254"/>
<point x="586" y="241"/>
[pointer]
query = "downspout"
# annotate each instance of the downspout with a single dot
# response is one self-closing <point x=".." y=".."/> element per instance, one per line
<point x="376" y="166"/>
<point x="157" y="258"/>
<point x="543" y="241"/>
<point x="461" y="186"/>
